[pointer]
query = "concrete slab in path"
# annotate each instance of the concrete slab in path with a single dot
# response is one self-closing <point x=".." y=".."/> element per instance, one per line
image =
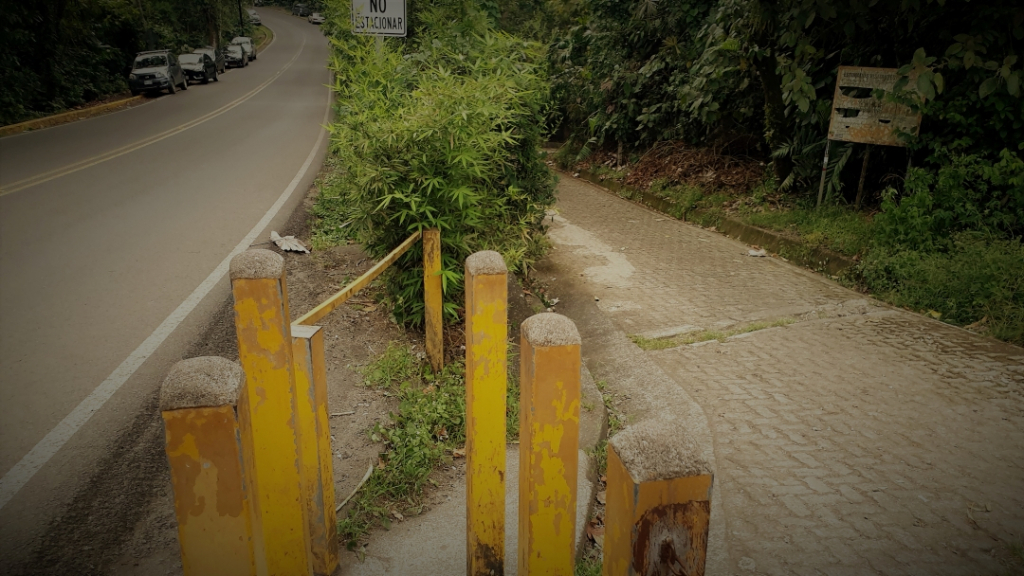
<point x="435" y="542"/>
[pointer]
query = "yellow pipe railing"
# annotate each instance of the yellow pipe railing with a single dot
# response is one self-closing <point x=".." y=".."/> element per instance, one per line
<point x="325" y="308"/>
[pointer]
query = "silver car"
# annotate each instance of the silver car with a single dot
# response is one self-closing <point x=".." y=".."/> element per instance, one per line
<point x="156" y="70"/>
<point x="247" y="46"/>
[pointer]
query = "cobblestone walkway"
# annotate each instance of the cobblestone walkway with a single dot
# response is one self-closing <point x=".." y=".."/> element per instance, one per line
<point x="858" y="439"/>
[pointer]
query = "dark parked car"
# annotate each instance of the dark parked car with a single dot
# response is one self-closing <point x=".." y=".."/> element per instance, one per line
<point x="234" y="56"/>
<point x="156" y="70"/>
<point x="198" y="67"/>
<point x="300" y="9"/>
<point x="246" y="43"/>
<point x="216" y="55"/>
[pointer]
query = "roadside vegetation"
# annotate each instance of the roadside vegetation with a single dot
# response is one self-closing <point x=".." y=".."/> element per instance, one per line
<point x="428" y="429"/>
<point x="440" y="130"/>
<point x="428" y="425"/>
<point x="722" y="108"/>
<point x="56" y="55"/>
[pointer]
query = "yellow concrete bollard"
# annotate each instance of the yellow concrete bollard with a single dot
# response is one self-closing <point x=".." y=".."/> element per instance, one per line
<point x="315" y="431"/>
<point x="433" y="302"/>
<point x="658" y="502"/>
<point x="548" y="445"/>
<point x="203" y="402"/>
<point x="265" y="352"/>
<point x="486" y="373"/>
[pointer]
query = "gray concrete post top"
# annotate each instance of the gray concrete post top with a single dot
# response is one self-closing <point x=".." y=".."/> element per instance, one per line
<point x="204" y="382"/>
<point x="486" y="262"/>
<point x="258" y="264"/>
<point x="660" y="448"/>
<point x="550" y="329"/>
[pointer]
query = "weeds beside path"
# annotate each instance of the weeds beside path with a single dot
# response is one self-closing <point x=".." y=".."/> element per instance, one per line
<point x="969" y="279"/>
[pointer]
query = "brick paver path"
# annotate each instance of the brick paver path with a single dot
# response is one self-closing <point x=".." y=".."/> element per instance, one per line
<point x="857" y="440"/>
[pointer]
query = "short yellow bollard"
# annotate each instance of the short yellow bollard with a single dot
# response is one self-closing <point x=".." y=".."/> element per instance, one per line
<point x="548" y="445"/>
<point x="317" y="464"/>
<point x="208" y="448"/>
<point x="265" y="352"/>
<point x="486" y="373"/>
<point x="658" y="502"/>
<point x="433" y="303"/>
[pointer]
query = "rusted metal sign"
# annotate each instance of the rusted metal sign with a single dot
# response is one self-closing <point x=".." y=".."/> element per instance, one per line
<point x="857" y="116"/>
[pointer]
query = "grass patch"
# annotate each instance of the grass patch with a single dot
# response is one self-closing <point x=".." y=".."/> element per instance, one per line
<point x="978" y="281"/>
<point x="512" y="395"/>
<point x="262" y="35"/>
<point x="429" y="423"/>
<point x="600" y="455"/>
<point x="704" y="335"/>
<point x="835" y="228"/>
<point x="588" y="565"/>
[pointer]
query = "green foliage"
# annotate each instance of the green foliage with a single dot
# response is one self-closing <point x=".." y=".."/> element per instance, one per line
<point x="56" y="54"/>
<point x="442" y="131"/>
<point x="617" y="65"/>
<point x="836" y="228"/>
<point x="967" y="193"/>
<point x="976" y="279"/>
<point x="429" y="422"/>
<point x="588" y="565"/>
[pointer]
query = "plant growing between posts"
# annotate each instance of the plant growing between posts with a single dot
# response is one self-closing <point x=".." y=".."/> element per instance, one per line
<point x="440" y="132"/>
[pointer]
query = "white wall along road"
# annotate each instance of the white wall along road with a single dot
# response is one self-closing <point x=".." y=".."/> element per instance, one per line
<point x="115" y="234"/>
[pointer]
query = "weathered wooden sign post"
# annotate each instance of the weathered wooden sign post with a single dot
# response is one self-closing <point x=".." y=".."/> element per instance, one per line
<point x="858" y="116"/>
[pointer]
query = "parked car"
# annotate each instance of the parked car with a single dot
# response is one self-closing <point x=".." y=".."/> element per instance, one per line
<point x="235" y="57"/>
<point x="198" y="67"/>
<point x="156" y="70"/>
<point x="216" y="55"/>
<point x="254" y="17"/>
<point x="300" y="9"/>
<point x="246" y="43"/>
<point x="315" y="18"/>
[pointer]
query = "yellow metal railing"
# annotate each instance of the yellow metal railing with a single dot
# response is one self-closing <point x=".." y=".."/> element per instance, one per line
<point x="432" y="309"/>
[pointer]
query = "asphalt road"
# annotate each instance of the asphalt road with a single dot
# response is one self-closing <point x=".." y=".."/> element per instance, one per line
<point x="114" y="233"/>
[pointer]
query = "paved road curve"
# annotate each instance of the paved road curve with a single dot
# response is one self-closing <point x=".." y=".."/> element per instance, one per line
<point x="114" y="233"/>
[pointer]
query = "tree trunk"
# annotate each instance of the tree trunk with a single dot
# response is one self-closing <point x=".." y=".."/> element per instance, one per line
<point x="776" y="128"/>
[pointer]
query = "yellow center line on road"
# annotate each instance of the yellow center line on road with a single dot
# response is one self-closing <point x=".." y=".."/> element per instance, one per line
<point x="82" y="165"/>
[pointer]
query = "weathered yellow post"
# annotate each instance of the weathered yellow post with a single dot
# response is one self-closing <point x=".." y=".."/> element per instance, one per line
<point x="203" y="402"/>
<point x="548" y="445"/>
<point x="658" y="502"/>
<point x="433" y="304"/>
<point x="486" y="371"/>
<point x="315" y="431"/>
<point x="265" y="351"/>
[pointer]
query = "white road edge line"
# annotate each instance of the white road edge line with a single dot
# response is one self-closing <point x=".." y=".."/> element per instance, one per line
<point x="16" y="478"/>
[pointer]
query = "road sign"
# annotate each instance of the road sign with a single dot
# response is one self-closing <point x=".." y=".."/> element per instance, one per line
<point x="379" y="17"/>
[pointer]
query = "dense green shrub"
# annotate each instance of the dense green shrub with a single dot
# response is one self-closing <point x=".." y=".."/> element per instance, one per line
<point x="967" y="193"/>
<point x="440" y="131"/>
<point x="977" y="279"/>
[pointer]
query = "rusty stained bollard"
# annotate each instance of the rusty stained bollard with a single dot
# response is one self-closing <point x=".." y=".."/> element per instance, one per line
<point x="317" y="462"/>
<point x="486" y="373"/>
<point x="548" y="445"/>
<point x="209" y="449"/>
<point x="433" y="302"/>
<point x="658" y="503"/>
<point x="265" y="352"/>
